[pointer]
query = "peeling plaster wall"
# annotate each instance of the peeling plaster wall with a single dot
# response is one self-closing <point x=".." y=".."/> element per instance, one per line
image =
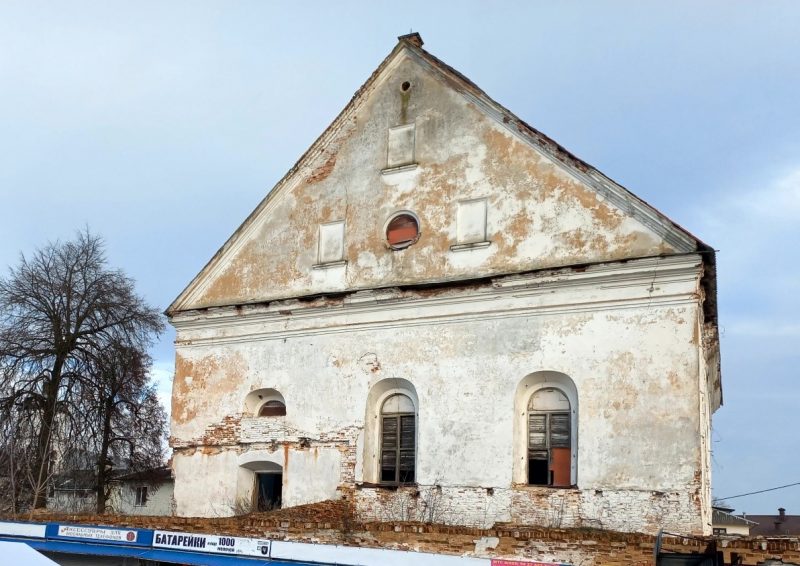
<point x="626" y="334"/>
<point x="539" y="215"/>
<point x="279" y="310"/>
<point x="611" y="509"/>
<point x="206" y="483"/>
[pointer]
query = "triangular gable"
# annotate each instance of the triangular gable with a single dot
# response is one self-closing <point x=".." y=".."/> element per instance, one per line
<point x="250" y="266"/>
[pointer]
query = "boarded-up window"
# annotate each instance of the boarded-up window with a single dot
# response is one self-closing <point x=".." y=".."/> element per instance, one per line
<point x="398" y="440"/>
<point x="331" y="242"/>
<point x="272" y="408"/>
<point x="401" y="146"/>
<point x="402" y="231"/>
<point x="549" y="439"/>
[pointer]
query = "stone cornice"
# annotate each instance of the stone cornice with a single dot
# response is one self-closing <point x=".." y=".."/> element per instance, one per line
<point x="623" y="285"/>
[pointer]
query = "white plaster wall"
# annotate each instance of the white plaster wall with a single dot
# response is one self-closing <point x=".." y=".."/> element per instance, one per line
<point x="734" y="530"/>
<point x="309" y="476"/>
<point x="312" y="475"/>
<point x="630" y="348"/>
<point x="206" y="483"/>
<point x="159" y="499"/>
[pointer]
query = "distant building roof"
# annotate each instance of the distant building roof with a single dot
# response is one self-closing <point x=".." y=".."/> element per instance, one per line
<point x="161" y="474"/>
<point x="775" y="525"/>
<point x="75" y="480"/>
<point x="721" y="516"/>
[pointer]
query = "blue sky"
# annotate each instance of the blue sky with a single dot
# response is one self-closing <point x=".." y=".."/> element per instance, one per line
<point x="162" y="125"/>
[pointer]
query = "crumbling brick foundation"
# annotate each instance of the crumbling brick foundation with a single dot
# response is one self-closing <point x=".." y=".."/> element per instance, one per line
<point x="331" y="522"/>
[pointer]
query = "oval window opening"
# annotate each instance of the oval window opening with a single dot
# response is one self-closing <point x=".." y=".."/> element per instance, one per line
<point x="402" y="231"/>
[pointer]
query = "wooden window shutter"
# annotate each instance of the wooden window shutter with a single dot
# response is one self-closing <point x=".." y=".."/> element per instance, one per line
<point x="389" y="445"/>
<point x="537" y="432"/>
<point x="559" y="430"/>
<point x="407" y="454"/>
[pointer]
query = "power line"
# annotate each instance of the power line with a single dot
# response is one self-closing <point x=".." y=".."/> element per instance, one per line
<point x="760" y="491"/>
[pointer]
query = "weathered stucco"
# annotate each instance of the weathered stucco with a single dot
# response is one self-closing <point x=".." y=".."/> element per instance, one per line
<point x="625" y="335"/>
<point x="539" y="214"/>
<point x="563" y="279"/>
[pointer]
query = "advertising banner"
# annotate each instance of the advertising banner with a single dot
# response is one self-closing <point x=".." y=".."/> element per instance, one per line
<point x="97" y="533"/>
<point x="237" y="546"/>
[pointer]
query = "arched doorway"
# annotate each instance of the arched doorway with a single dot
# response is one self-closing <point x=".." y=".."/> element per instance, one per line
<point x="267" y="484"/>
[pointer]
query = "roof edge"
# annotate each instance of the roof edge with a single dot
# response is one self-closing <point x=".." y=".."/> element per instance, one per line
<point x="404" y="42"/>
<point x="615" y="193"/>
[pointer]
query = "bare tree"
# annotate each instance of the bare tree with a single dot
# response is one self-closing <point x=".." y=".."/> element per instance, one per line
<point x="130" y="425"/>
<point x="58" y="308"/>
<point x="20" y="422"/>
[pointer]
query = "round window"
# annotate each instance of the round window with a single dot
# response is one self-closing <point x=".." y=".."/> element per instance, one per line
<point x="402" y="231"/>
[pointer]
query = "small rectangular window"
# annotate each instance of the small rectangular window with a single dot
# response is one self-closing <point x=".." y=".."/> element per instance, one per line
<point x="141" y="496"/>
<point x="401" y="146"/>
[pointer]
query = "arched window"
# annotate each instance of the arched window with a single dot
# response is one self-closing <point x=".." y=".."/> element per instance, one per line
<point x="265" y="402"/>
<point x="549" y="438"/>
<point x="272" y="408"/>
<point x="398" y="440"/>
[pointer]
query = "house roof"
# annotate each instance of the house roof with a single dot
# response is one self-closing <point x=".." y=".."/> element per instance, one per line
<point x="775" y="525"/>
<point x="161" y="474"/>
<point x="723" y="517"/>
<point x="611" y="191"/>
<point x="75" y="480"/>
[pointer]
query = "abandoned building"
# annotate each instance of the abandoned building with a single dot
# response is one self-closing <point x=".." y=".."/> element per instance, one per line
<point x="442" y="315"/>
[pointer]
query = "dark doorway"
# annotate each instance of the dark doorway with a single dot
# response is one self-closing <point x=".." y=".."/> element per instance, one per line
<point x="269" y="488"/>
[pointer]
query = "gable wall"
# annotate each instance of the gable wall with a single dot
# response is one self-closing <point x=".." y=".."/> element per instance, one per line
<point x="626" y="331"/>
<point x="538" y="215"/>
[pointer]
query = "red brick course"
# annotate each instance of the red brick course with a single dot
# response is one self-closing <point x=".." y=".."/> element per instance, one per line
<point x="331" y="522"/>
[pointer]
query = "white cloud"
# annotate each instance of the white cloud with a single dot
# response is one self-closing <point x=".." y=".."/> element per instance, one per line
<point x="755" y="230"/>
<point x="779" y="201"/>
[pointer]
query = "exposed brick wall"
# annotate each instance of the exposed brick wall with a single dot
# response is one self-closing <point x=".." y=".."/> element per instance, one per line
<point x="621" y="510"/>
<point x="617" y="509"/>
<point x="465" y="506"/>
<point x="332" y="523"/>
